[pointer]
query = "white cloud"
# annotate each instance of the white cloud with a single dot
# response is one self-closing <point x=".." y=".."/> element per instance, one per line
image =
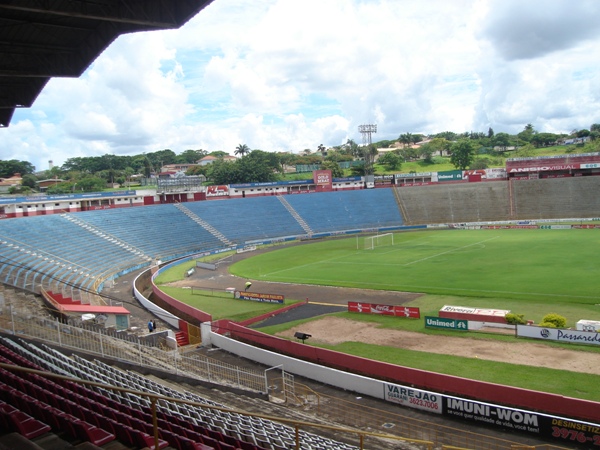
<point x="280" y="75"/>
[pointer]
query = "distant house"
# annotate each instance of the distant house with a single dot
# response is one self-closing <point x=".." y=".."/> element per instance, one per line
<point x="7" y="183"/>
<point x="177" y="167"/>
<point x="209" y="159"/>
<point x="167" y="174"/>
<point x="45" y="184"/>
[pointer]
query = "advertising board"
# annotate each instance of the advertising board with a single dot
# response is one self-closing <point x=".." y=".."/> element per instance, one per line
<point x="258" y="297"/>
<point x="413" y="398"/>
<point x="389" y="310"/>
<point x="446" y="323"/>
<point x="565" y="431"/>
<point x="558" y="334"/>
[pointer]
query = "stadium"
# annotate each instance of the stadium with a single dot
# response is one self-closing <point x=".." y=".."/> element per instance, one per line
<point x="112" y="245"/>
<point x="82" y="369"/>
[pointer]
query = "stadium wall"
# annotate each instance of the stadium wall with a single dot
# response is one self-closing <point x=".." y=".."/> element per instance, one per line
<point x="356" y="370"/>
<point x="531" y="199"/>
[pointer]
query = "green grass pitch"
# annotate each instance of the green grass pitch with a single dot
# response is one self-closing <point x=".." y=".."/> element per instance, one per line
<point x="550" y="266"/>
<point x="528" y="271"/>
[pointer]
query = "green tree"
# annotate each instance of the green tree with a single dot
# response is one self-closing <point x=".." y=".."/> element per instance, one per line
<point x="368" y="153"/>
<point x="10" y="167"/>
<point x="259" y="166"/>
<point x="426" y="152"/>
<point x="358" y="170"/>
<point x="54" y="172"/>
<point x="222" y="172"/>
<point x="501" y="140"/>
<point x="463" y="153"/>
<point x="19" y="190"/>
<point x="256" y="167"/>
<point x="61" y="188"/>
<point x="352" y="148"/>
<point x="191" y="156"/>
<point x="198" y="170"/>
<point x="544" y="139"/>
<point x="527" y="133"/>
<point x="29" y="181"/>
<point x="242" y="150"/>
<point x="406" y="139"/>
<point x="91" y="184"/>
<point x="390" y="160"/>
<point x="336" y="170"/>
<point x="409" y="154"/>
<point x="448" y="135"/>
<point x="286" y="159"/>
<point x="440" y="145"/>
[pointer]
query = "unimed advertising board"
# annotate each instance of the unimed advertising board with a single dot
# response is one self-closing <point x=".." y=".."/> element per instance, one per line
<point x="446" y="323"/>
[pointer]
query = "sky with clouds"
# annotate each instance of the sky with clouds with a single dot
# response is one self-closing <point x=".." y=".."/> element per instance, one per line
<point x="281" y="75"/>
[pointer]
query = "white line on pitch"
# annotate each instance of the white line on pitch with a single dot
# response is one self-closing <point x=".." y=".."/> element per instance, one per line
<point x="449" y="251"/>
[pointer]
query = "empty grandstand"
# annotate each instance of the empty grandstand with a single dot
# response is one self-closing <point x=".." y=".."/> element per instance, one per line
<point x="76" y="253"/>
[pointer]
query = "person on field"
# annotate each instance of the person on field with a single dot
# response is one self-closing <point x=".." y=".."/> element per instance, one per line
<point x="248" y="285"/>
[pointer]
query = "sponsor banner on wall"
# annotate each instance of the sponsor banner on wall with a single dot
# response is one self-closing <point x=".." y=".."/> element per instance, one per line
<point x="414" y="175"/>
<point x="477" y="311"/>
<point x="407" y="311"/>
<point x="555" y="227"/>
<point x="492" y="414"/>
<point x="446" y="323"/>
<point x="497" y="173"/>
<point x="547" y="168"/>
<point x="359" y="307"/>
<point x="565" y="431"/>
<point x="258" y="297"/>
<point x="586" y="226"/>
<point x="413" y="398"/>
<point x="388" y="310"/>
<point x="217" y="191"/>
<point x="322" y="177"/>
<point x="560" y="335"/>
<point x="450" y="175"/>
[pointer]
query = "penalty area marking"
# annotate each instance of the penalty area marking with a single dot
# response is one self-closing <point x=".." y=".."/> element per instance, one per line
<point x="450" y="251"/>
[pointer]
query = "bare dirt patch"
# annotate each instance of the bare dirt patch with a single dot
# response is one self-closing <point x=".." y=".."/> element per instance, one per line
<point x="334" y="330"/>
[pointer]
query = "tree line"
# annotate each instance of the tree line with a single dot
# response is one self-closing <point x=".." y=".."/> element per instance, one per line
<point x="93" y="173"/>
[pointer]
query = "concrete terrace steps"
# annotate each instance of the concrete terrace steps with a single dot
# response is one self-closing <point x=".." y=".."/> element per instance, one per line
<point x="295" y="215"/>
<point x="105" y="235"/>
<point x="212" y="230"/>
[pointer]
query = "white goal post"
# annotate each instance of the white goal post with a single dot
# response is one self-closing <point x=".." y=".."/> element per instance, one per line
<point x="378" y="240"/>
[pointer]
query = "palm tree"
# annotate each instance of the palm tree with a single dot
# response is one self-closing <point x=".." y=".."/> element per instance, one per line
<point x="242" y="149"/>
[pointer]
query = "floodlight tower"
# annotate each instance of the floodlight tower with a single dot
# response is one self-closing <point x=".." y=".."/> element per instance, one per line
<point x="366" y="131"/>
<point x="368" y="152"/>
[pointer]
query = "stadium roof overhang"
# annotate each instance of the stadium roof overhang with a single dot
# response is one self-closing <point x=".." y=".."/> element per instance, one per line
<point x="41" y="39"/>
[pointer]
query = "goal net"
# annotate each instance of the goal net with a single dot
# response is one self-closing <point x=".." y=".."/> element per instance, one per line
<point x="378" y="240"/>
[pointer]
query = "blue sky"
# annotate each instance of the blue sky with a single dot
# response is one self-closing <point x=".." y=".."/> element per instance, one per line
<point x="278" y="75"/>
